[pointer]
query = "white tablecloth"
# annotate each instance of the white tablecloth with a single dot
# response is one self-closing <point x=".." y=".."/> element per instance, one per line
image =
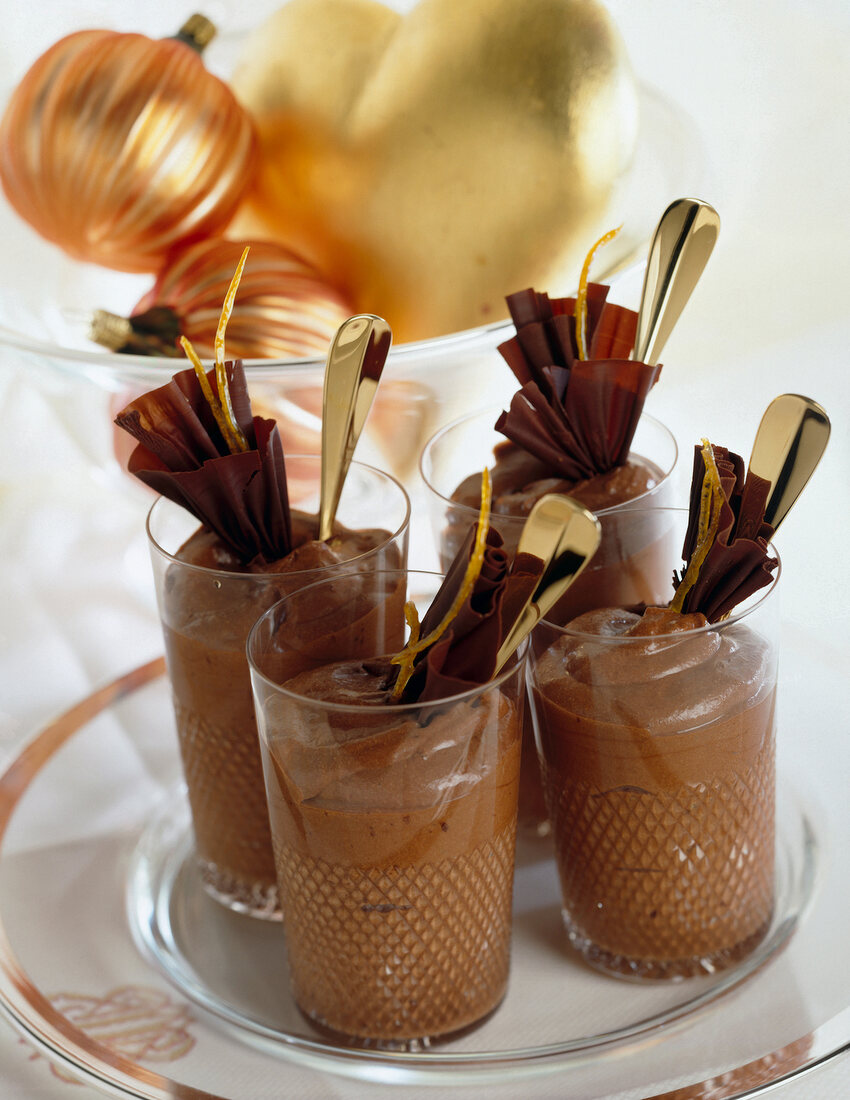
<point x="768" y="89"/>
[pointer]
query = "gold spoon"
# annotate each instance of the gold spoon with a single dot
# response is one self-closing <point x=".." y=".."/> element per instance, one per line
<point x="565" y="536"/>
<point x="355" y="361"/>
<point x="789" y="443"/>
<point x="683" y="240"/>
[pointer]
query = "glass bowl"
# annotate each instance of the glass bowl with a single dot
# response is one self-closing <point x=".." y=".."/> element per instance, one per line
<point x="47" y="299"/>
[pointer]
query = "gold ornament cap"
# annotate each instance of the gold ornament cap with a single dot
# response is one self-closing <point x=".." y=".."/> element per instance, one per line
<point x="109" y="329"/>
<point x="197" y="31"/>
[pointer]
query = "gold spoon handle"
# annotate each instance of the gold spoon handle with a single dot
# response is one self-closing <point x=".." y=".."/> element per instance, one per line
<point x="355" y="361"/>
<point x="683" y="240"/>
<point x="789" y="443"/>
<point x="565" y="536"/>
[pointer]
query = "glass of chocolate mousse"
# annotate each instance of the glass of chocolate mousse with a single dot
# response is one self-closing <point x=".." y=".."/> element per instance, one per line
<point x="393" y="821"/>
<point x="632" y="564"/>
<point x="655" y="729"/>
<point x="208" y="600"/>
<point x="575" y="426"/>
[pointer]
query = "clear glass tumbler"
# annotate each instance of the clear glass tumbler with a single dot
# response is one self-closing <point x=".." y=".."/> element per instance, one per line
<point x="393" y="825"/>
<point x="630" y="567"/>
<point x="206" y="616"/>
<point x="658" y="761"/>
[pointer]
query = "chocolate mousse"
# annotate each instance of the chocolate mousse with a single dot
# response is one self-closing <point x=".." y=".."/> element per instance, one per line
<point x="656" y="736"/>
<point x="396" y="837"/>
<point x="520" y="480"/>
<point x="207" y="613"/>
<point x="659" y="766"/>
<point x="630" y="566"/>
<point x="392" y="787"/>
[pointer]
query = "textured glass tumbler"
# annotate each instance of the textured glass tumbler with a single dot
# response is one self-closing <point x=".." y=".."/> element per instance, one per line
<point x="631" y="566"/>
<point x="628" y="567"/>
<point x="658" y="761"/>
<point x="393" y="825"/>
<point x="206" y="616"/>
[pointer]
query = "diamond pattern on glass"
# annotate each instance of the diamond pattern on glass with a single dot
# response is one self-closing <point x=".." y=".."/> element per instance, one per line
<point x="400" y="953"/>
<point x="669" y="881"/>
<point x="224" y="776"/>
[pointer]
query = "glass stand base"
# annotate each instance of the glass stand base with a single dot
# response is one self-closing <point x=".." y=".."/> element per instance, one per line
<point x="563" y="1029"/>
<point x="236" y="968"/>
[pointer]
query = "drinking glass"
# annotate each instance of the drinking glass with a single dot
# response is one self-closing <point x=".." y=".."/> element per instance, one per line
<point x="658" y="762"/>
<point x="393" y="824"/>
<point x="206" y="615"/>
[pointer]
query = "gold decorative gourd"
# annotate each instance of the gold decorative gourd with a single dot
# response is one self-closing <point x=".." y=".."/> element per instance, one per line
<point x="117" y="147"/>
<point x="433" y="163"/>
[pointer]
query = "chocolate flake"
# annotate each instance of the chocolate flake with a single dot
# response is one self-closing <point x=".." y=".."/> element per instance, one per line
<point x="726" y="545"/>
<point x="183" y="455"/>
<point x="578" y="416"/>
<point x="465" y="655"/>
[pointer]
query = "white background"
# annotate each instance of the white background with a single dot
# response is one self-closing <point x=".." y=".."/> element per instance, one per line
<point x="767" y="87"/>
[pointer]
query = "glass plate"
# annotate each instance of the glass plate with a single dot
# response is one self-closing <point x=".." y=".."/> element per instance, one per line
<point x="88" y="814"/>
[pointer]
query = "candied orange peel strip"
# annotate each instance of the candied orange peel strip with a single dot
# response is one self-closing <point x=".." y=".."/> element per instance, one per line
<point x="415" y="644"/>
<point x="220" y="373"/>
<point x="581" y="296"/>
<point x="710" y="502"/>
<point x="411" y="617"/>
<point x="212" y="400"/>
<point x="222" y="409"/>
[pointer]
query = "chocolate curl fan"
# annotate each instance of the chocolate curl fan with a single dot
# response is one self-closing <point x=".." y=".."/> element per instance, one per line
<point x="581" y="395"/>
<point x="725" y="551"/>
<point x="200" y="446"/>
<point x="457" y="645"/>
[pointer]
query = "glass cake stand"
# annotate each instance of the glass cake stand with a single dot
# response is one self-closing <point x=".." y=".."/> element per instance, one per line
<point x="92" y="873"/>
<point x="46" y="307"/>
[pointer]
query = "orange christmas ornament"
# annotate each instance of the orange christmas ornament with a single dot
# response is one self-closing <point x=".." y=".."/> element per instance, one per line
<point x="284" y="309"/>
<point x="117" y="147"/>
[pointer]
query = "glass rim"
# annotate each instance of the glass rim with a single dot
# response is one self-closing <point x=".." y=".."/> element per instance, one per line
<point x="154" y="367"/>
<point x="762" y="594"/>
<point x="513" y="666"/>
<point x="256" y="368"/>
<point x="229" y="573"/>
<point x="457" y="505"/>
